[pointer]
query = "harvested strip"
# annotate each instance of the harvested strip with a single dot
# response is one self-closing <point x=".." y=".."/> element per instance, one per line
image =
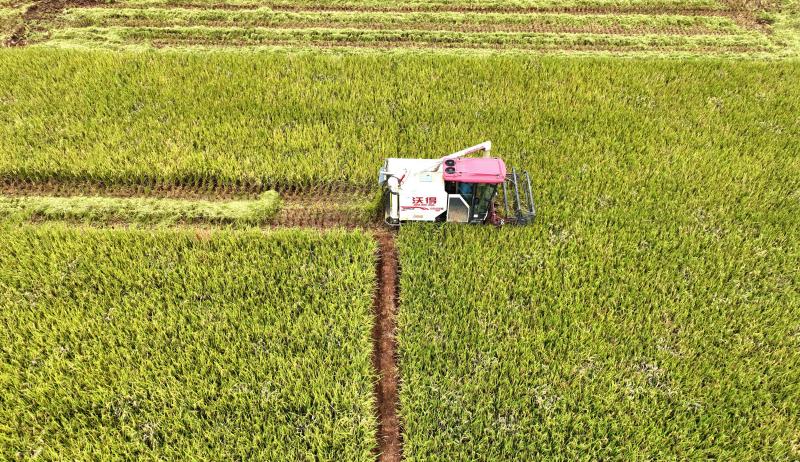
<point x="454" y="49"/>
<point x="573" y="6"/>
<point x="139" y="210"/>
<point x="351" y="37"/>
<point x="384" y="359"/>
<point x="464" y="22"/>
<point x="329" y="210"/>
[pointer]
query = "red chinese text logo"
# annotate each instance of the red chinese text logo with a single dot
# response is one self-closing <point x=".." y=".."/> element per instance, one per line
<point x="423" y="201"/>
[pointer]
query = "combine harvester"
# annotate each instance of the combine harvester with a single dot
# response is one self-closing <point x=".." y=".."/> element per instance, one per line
<point x="455" y="189"/>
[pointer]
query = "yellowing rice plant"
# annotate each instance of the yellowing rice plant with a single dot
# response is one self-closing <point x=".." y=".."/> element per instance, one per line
<point x="181" y="345"/>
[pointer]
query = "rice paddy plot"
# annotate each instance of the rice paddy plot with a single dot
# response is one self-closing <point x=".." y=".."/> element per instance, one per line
<point x="618" y="336"/>
<point x="233" y="121"/>
<point x="190" y="344"/>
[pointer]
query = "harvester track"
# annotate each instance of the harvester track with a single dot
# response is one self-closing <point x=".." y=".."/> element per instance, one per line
<point x="385" y="358"/>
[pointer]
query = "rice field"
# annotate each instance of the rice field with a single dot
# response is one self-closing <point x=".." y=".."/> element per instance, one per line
<point x="301" y="121"/>
<point x="649" y="313"/>
<point x="183" y="345"/>
<point x="640" y="331"/>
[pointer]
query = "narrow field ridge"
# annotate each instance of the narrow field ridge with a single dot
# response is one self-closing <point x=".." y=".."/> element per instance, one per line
<point x="386" y="389"/>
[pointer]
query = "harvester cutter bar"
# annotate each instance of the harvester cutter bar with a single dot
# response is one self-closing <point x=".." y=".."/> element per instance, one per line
<point x="523" y="209"/>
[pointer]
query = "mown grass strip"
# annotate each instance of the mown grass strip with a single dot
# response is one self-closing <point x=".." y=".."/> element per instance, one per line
<point x="184" y="345"/>
<point x="294" y="120"/>
<point x="465" y="22"/>
<point x="138" y="210"/>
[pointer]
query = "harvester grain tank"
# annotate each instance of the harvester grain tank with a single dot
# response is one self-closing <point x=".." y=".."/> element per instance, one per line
<point x="457" y="189"/>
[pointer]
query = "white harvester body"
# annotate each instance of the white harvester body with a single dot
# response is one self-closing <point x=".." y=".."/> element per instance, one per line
<point x="452" y="188"/>
<point x="417" y="194"/>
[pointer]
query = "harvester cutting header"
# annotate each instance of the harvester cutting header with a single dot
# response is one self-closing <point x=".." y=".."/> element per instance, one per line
<point x="456" y="189"/>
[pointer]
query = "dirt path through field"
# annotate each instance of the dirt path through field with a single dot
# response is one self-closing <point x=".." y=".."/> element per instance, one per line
<point x="384" y="354"/>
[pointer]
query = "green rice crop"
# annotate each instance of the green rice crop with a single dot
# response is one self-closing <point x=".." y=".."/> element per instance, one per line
<point x="282" y="120"/>
<point x="179" y="345"/>
<point x="138" y="210"/>
<point x="651" y="313"/>
<point x="274" y="121"/>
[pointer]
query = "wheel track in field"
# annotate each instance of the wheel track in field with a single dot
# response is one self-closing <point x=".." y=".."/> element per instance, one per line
<point x="328" y="207"/>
